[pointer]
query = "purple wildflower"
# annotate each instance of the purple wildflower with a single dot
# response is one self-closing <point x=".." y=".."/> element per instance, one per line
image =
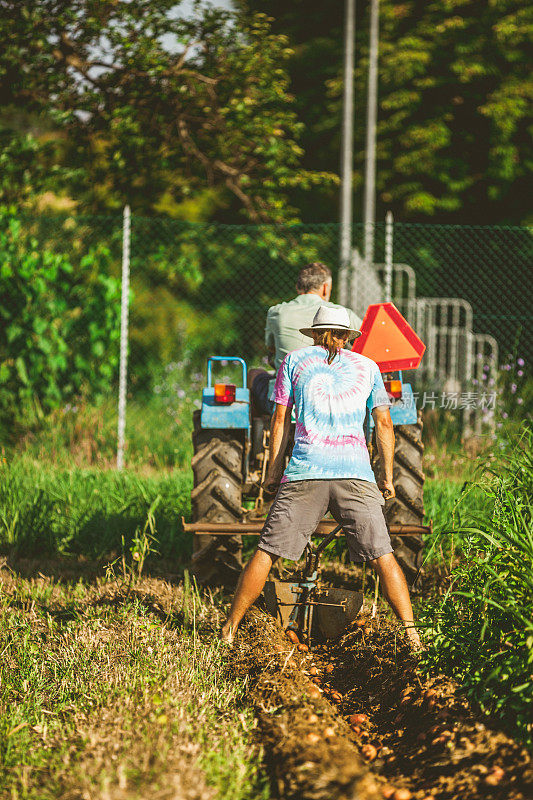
<point x="519" y="400"/>
<point x="505" y="414"/>
<point x="520" y="373"/>
<point x="520" y="362"/>
<point x="514" y="387"/>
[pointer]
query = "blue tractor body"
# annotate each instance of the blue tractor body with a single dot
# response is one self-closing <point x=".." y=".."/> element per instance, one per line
<point x="235" y="415"/>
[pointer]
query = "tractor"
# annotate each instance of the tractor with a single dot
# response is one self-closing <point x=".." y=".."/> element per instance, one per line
<point x="231" y="456"/>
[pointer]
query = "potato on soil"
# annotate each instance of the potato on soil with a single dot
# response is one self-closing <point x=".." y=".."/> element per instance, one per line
<point x="292" y="637"/>
<point x="303" y="648"/>
<point x="313" y="670"/>
<point x="313" y="738"/>
<point x="402" y="794"/>
<point x="369" y="752"/>
<point x="358" y="719"/>
<point x="313" y="691"/>
<point x="496" y="774"/>
<point x="329" y="732"/>
<point x="312" y="719"/>
<point x="387" y="792"/>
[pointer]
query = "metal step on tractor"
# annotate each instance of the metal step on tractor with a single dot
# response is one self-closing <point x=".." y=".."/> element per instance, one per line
<point x="231" y="456"/>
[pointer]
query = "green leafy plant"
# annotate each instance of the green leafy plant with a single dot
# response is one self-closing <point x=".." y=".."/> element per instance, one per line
<point x="59" y="323"/>
<point x="482" y="628"/>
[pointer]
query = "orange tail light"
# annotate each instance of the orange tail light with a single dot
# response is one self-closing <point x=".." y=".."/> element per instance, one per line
<point x="394" y="388"/>
<point x="225" y="392"/>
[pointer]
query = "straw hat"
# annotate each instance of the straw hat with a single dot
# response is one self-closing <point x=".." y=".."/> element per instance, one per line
<point x="331" y="317"/>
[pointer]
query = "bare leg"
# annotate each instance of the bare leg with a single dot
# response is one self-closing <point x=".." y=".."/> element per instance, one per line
<point x="249" y="587"/>
<point x="397" y="593"/>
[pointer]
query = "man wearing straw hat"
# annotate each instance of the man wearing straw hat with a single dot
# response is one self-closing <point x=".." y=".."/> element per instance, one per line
<point x="330" y="389"/>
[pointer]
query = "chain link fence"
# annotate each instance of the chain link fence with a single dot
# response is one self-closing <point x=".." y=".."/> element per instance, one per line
<point x="204" y="288"/>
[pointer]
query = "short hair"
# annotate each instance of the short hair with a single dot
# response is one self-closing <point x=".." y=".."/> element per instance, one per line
<point x="312" y="276"/>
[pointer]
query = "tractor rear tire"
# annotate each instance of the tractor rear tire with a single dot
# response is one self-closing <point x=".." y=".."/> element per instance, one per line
<point x="407" y="508"/>
<point x="217" y="466"/>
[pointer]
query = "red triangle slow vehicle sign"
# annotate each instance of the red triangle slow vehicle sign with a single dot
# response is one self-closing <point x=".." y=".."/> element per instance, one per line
<point x="388" y="339"/>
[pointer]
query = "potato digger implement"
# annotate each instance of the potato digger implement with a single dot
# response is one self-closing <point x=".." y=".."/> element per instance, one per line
<point x="230" y="463"/>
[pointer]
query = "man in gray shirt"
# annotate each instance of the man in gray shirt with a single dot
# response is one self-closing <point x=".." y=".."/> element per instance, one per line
<point x="283" y="324"/>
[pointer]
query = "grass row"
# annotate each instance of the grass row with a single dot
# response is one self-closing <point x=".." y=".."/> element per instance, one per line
<point x="107" y="691"/>
<point x="51" y="511"/>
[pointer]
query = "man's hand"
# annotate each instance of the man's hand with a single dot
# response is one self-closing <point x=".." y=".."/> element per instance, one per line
<point x="387" y="489"/>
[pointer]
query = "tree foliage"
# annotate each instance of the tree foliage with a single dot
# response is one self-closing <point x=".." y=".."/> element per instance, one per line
<point x="157" y="108"/>
<point x="455" y="92"/>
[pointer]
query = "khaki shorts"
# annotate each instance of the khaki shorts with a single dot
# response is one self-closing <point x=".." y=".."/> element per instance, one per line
<point x="300" y="505"/>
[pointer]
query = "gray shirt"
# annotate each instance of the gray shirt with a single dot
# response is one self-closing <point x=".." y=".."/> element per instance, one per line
<point x="284" y="321"/>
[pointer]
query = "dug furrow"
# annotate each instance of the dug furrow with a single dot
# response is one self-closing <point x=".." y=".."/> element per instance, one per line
<point x="356" y="719"/>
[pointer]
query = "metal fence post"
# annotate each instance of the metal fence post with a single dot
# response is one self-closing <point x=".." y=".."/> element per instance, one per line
<point x="389" y="233"/>
<point x="347" y="153"/>
<point x="123" y="371"/>
<point x="371" y="122"/>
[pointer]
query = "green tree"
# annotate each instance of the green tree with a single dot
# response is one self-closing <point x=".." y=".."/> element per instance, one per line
<point x="159" y="109"/>
<point x="455" y="91"/>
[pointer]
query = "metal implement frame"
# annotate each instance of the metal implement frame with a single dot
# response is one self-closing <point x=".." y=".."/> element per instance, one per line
<point x="254" y="528"/>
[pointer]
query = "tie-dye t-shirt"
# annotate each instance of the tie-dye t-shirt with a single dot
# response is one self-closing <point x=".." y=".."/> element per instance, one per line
<point x="330" y="402"/>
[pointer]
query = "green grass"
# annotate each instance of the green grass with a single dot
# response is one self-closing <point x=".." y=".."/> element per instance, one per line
<point x="158" y="435"/>
<point x="51" y="511"/>
<point x="105" y="692"/>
